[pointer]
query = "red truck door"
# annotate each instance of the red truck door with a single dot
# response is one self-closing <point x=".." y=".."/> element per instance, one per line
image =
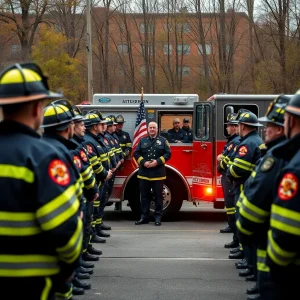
<point x="204" y="152"/>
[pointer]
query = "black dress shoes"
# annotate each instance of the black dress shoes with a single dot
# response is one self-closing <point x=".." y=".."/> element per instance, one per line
<point x="93" y="251"/>
<point x="157" y="223"/>
<point x="232" y="244"/>
<point x="251" y="278"/>
<point x="227" y="229"/>
<point x="252" y="290"/>
<point x="83" y="276"/>
<point x="86" y="265"/>
<point x="238" y="255"/>
<point x="89" y="257"/>
<point x="80" y="284"/>
<point x="77" y="291"/>
<point x="141" y="221"/>
<point x="243" y="264"/>
<point x="105" y="227"/>
<point x="83" y="270"/>
<point x="254" y="297"/>
<point x="97" y="239"/>
<point x="235" y="250"/>
<point x="103" y="234"/>
<point x="246" y="272"/>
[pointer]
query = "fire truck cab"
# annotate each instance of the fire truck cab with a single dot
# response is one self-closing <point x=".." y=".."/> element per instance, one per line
<point x="192" y="170"/>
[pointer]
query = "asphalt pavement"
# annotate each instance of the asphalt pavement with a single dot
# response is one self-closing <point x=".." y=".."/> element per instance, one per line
<point x="183" y="259"/>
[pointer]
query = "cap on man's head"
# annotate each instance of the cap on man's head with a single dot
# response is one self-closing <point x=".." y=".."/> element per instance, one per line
<point x="176" y="120"/>
<point x="186" y="120"/>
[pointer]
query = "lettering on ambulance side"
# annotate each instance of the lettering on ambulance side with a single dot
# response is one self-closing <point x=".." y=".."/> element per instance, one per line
<point x="134" y="101"/>
<point x="202" y="180"/>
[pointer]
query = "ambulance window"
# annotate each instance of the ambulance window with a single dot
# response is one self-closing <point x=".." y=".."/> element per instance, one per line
<point x="202" y="122"/>
<point x="235" y="108"/>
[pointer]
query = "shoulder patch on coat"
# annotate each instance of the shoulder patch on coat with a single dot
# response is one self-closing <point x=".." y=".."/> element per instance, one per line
<point x="288" y="187"/>
<point x="89" y="149"/>
<point x="267" y="164"/>
<point x="59" y="172"/>
<point x="83" y="155"/>
<point x="243" y="151"/>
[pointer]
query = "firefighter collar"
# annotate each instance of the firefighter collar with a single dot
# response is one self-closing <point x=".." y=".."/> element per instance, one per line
<point x="267" y="164"/>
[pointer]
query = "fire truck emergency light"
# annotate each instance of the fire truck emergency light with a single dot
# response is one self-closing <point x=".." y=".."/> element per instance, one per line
<point x="209" y="191"/>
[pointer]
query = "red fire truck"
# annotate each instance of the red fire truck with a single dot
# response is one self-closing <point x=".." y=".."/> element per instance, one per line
<point x="191" y="171"/>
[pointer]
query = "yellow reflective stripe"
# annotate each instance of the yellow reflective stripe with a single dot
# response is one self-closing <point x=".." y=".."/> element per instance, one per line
<point x="128" y="144"/>
<point x="163" y="159"/>
<point x="277" y="254"/>
<point x="59" y="209"/>
<point x="18" y="224"/>
<point x="250" y="211"/>
<point x="99" y="170"/>
<point x="151" y="179"/>
<point x="28" y="265"/>
<point x="285" y="219"/>
<point x="232" y="172"/>
<point x="87" y="171"/>
<point x="140" y="159"/>
<point x="89" y="186"/>
<point x="241" y="229"/>
<point x="104" y="159"/>
<point x="261" y="258"/>
<point x="122" y="145"/>
<point x="240" y="165"/>
<point x="16" y="172"/>
<point x="93" y="159"/>
<point x="253" y="174"/>
<point x="242" y="161"/>
<point x="47" y="288"/>
<point x="230" y="208"/>
<point x="63" y="296"/>
<point x="70" y="252"/>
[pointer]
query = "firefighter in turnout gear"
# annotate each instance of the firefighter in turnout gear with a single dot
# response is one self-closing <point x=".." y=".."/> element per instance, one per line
<point x="283" y="237"/>
<point x="243" y="161"/>
<point x="223" y="159"/>
<point x="58" y="127"/>
<point x="151" y="154"/>
<point x="123" y="136"/>
<point x="40" y="231"/>
<point x="99" y="159"/>
<point x="257" y="196"/>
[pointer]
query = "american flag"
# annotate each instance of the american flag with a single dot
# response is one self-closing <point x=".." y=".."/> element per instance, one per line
<point x="140" y="129"/>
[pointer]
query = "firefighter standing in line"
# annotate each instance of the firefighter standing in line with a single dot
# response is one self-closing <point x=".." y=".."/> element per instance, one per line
<point x="94" y="123"/>
<point x="58" y="128"/>
<point x="124" y="138"/>
<point x="257" y="196"/>
<point x="90" y="189"/>
<point x="42" y="234"/>
<point x="151" y="154"/>
<point x="223" y="158"/>
<point x="283" y="250"/>
<point x="186" y="127"/>
<point x="243" y="162"/>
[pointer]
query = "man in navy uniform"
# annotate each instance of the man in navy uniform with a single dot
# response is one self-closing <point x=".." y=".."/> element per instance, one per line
<point x="151" y="154"/>
<point x="186" y="127"/>
<point x="177" y="135"/>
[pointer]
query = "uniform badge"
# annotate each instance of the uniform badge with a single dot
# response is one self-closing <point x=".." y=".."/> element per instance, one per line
<point x="234" y="148"/>
<point x="83" y="155"/>
<point x="106" y="142"/>
<point x="59" y="172"/>
<point x="89" y="149"/>
<point x="77" y="162"/>
<point x="124" y="136"/>
<point x="267" y="164"/>
<point x="158" y="142"/>
<point x="116" y="141"/>
<point x="243" y="151"/>
<point x="288" y="186"/>
<point x="230" y="147"/>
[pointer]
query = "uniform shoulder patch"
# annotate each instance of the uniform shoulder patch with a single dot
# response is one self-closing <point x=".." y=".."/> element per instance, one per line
<point x="89" y="149"/>
<point x="83" y="155"/>
<point x="243" y="151"/>
<point x="158" y="142"/>
<point x="288" y="186"/>
<point x="124" y="136"/>
<point x="77" y="162"/>
<point x="229" y="147"/>
<point x="105" y="141"/>
<point x="59" y="172"/>
<point x="267" y="164"/>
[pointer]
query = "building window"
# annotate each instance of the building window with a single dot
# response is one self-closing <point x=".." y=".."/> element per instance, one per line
<point x="168" y="27"/>
<point x="185" y="71"/>
<point x="168" y="49"/>
<point x="143" y="70"/>
<point x="150" y="49"/>
<point x="183" y="27"/>
<point x="15" y="49"/>
<point x="207" y="48"/>
<point x="123" y="48"/>
<point x="183" y="49"/>
<point x="149" y="28"/>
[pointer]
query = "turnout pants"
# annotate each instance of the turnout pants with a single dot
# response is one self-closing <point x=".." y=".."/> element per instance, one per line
<point x="147" y="196"/>
<point x="99" y="209"/>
